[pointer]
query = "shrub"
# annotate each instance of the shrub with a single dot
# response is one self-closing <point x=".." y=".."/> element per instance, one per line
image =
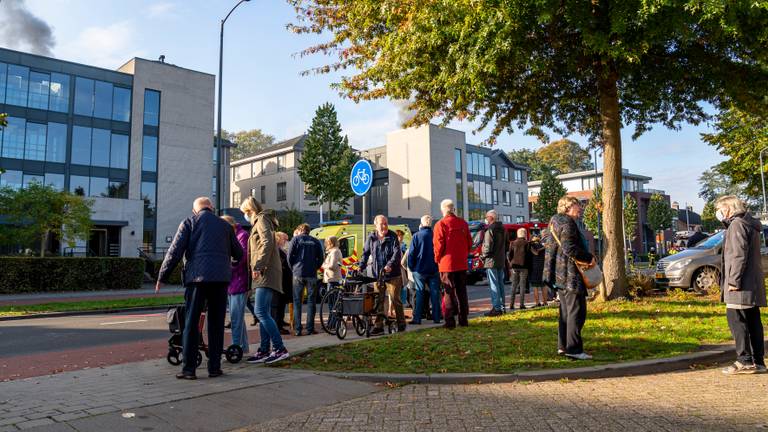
<point x="640" y="285"/>
<point x="26" y="274"/>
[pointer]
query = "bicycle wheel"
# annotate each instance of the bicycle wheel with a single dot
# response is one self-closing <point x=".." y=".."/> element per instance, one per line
<point x="329" y="306"/>
<point x="359" y="325"/>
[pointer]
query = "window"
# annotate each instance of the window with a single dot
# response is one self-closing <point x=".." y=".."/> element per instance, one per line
<point x="235" y="198"/>
<point x="494" y="172"/>
<point x="459" y="197"/>
<point x="346" y="245"/>
<point x="102" y="101"/>
<point x="56" y="143"/>
<point x="81" y="145"/>
<point x="457" y="160"/>
<point x="506" y="219"/>
<point x="256" y="169"/>
<point x="149" y="195"/>
<point x="520" y="219"/>
<point x="118" y="189"/>
<point x="151" y="107"/>
<point x="84" y="96"/>
<point x="476" y="163"/>
<point x="18" y="82"/>
<point x="118" y="157"/>
<point x="35" y="142"/>
<point x="263" y="195"/>
<point x="55" y="180"/>
<point x="481" y="161"/>
<point x="100" y="148"/>
<point x="99" y="187"/>
<point x="59" y="92"/>
<point x="506" y="198"/>
<point x="11" y="179"/>
<point x="30" y="178"/>
<point x="121" y="104"/>
<point x="79" y="185"/>
<point x="488" y="193"/>
<point x="3" y="75"/>
<point x="487" y="166"/>
<point x="13" y="138"/>
<point x="518" y="176"/>
<point x="39" y="87"/>
<point x="495" y="197"/>
<point x="149" y="154"/>
<point x="519" y="199"/>
<point x="281" y="163"/>
<point x="505" y="174"/>
<point x="148" y="242"/>
<point x="470" y="167"/>
<point x="281" y="195"/>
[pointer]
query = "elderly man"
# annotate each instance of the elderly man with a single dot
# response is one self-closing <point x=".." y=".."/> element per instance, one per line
<point x="208" y="244"/>
<point x="742" y="284"/>
<point x="494" y="256"/>
<point x="383" y="247"/>
<point x="421" y="261"/>
<point x="452" y="243"/>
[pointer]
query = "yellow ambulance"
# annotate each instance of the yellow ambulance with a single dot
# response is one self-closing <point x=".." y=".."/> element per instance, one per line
<point x="351" y="239"/>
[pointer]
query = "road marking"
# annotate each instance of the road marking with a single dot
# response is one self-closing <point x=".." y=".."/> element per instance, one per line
<point x="122" y="322"/>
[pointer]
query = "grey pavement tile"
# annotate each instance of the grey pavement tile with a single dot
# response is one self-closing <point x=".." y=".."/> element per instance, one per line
<point x="12" y="420"/>
<point x="34" y="423"/>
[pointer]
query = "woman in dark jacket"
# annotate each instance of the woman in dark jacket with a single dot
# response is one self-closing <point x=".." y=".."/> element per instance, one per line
<point x="567" y="246"/>
<point x="536" y="271"/>
<point x="280" y="301"/>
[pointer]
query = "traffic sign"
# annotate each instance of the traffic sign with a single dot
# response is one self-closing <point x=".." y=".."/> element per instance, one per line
<point x="361" y="177"/>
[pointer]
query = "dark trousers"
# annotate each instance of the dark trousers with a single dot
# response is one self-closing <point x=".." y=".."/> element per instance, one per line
<point x="279" y="301"/>
<point x="455" y="300"/>
<point x="747" y="331"/>
<point x="573" y="315"/>
<point x="196" y="296"/>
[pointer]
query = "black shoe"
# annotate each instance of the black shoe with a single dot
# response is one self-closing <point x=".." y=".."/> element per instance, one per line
<point x="311" y="332"/>
<point x="215" y="374"/>
<point x="493" y="313"/>
<point x="522" y="306"/>
<point x="297" y="333"/>
<point x="401" y="328"/>
<point x="377" y="331"/>
<point x="228" y="325"/>
<point x="413" y="322"/>
<point x="186" y="376"/>
<point x="284" y="331"/>
<point x="255" y="322"/>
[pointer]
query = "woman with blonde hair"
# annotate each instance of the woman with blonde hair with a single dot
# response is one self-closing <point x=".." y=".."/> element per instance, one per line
<point x="332" y="263"/>
<point x="266" y="274"/>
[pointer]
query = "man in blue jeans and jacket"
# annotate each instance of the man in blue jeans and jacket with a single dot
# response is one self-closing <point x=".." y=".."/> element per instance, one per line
<point x="305" y="256"/>
<point x="208" y="244"/>
<point x="421" y="261"/>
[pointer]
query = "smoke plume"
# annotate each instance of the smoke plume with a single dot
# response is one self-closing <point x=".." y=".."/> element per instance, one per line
<point x="403" y="113"/>
<point x="21" y="30"/>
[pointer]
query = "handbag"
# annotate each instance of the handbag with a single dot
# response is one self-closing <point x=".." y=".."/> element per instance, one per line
<point x="590" y="272"/>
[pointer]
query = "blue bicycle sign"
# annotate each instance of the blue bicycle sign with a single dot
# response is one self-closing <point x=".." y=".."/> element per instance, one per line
<point x="361" y="177"/>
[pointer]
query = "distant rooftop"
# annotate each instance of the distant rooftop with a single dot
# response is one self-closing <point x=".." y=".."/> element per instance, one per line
<point x="591" y="174"/>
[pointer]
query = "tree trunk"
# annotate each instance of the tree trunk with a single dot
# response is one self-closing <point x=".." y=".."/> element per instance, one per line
<point x="43" y="243"/>
<point x="614" y="267"/>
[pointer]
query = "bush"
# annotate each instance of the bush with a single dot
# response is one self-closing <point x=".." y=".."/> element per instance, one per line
<point x="26" y="274"/>
<point x="640" y="285"/>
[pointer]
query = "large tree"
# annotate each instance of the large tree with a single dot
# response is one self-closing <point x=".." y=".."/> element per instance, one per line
<point x="583" y="67"/>
<point x="714" y="184"/>
<point x="248" y="142"/>
<point x="550" y="192"/>
<point x="562" y="156"/>
<point x="327" y="160"/>
<point x="709" y="222"/>
<point x="660" y="215"/>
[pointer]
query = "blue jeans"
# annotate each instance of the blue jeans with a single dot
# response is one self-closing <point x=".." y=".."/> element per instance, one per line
<point x="496" y="284"/>
<point x="267" y="328"/>
<point x="421" y="281"/>
<point x="237" y="318"/>
<point x="298" y="288"/>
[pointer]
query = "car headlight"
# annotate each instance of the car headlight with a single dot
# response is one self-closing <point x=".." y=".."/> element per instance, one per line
<point x="677" y="265"/>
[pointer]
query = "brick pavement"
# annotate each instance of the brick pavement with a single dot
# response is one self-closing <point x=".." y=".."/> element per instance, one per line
<point x="699" y="400"/>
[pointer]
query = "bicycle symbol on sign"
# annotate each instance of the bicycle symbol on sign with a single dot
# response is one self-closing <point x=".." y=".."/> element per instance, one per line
<point x="361" y="176"/>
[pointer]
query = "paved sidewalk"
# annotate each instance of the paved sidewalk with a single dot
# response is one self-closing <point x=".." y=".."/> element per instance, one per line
<point x="147" y="290"/>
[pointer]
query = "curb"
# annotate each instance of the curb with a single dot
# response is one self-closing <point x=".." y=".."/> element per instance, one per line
<point x="88" y="312"/>
<point x="715" y="354"/>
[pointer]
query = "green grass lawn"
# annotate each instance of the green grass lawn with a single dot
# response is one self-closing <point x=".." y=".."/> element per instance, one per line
<point x="6" y="311"/>
<point x="615" y="332"/>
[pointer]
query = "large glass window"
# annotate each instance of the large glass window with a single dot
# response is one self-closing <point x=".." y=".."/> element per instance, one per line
<point x="476" y="163"/>
<point x="118" y="157"/>
<point x="39" y="87"/>
<point x="121" y="104"/>
<point x="519" y="199"/>
<point x="495" y="197"/>
<point x="55" y="180"/>
<point x="102" y="101"/>
<point x="59" y="92"/>
<point x="56" y="144"/>
<point x="459" y="198"/>
<point x="118" y="189"/>
<point x="257" y="169"/>
<point x="149" y="154"/>
<point x="281" y="163"/>
<point x="35" y="142"/>
<point x="494" y="172"/>
<point x="457" y="160"/>
<point x="470" y="167"/>
<point x="11" y="179"/>
<point x="263" y="195"/>
<point x="84" y="96"/>
<point x="81" y="145"/>
<point x="100" y="147"/>
<point x="149" y="195"/>
<point x="79" y="185"/>
<point x="518" y="176"/>
<point x="505" y="174"/>
<point x="32" y="178"/>
<point x="18" y="83"/>
<point x="487" y="165"/>
<point x="151" y="107"/>
<point x="13" y="138"/>
<point x="506" y="198"/>
<point x="3" y="75"/>
<point x="99" y="187"/>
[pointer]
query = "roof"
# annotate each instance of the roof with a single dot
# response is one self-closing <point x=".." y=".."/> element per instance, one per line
<point x="591" y="174"/>
<point x="295" y="143"/>
<point x="692" y="217"/>
<point x="503" y="155"/>
<point x="581" y="195"/>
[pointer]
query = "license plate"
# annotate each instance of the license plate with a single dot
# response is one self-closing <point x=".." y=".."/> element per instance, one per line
<point x="660" y="276"/>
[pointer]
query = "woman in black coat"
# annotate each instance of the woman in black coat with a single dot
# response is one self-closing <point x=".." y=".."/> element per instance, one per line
<point x="536" y="271"/>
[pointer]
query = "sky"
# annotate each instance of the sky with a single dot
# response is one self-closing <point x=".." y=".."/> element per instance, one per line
<point x="263" y="85"/>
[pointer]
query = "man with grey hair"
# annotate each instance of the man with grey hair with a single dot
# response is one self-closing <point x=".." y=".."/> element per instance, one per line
<point x="421" y="261"/>
<point x="494" y="252"/>
<point x="207" y="244"/>
<point x="742" y="284"/>
<point x="452" y="243"/>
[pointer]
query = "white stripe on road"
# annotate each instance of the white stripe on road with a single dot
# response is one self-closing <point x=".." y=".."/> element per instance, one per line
<point x="122" y="322"/>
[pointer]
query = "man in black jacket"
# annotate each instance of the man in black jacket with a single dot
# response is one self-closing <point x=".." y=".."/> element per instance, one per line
<point x="494" y="255"/>
<point x="207" y="244"/>
<point x="305" y="256"/>
<point x="695" y="238"/>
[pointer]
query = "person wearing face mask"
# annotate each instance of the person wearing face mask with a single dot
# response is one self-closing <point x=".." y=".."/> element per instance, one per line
<point x="568" y="246"/>
<point x="742" y="284"/>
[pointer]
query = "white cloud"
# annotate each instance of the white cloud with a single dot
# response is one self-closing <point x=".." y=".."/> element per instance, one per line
<point x="160" y="9"/>
<point x="105" y="46"/>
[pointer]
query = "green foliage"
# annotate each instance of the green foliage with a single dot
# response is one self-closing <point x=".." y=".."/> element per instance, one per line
<point x="660" y="214"/>
<point x="327" y="159"/>
<point x="594" y="210"/>
<point x="248" y="142"/>
<point x="740" y="136"/>
<point x="630" y="217"/>
<point x="715" y="183"/>
<point x="551" y="191"/>
<point x="25" y="274"/>
<point x="289" y="220"/>
<point x="709" y="222"/>
<point x="640" y="285"/>
<point x="562" y="156"/>
<point x="3" y="119"/>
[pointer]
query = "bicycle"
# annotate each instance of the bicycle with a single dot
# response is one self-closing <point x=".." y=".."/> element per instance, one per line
<point x="330" y="306"/>
<point x="360" y="176"/>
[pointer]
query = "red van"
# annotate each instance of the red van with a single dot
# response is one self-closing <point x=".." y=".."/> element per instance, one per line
<point x="477" y="229"/>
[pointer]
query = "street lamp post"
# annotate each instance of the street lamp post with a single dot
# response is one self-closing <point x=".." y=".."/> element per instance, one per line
<point x="219" y="152"/>
<point x="687" y="219"/>
<point x="762" y="179"/>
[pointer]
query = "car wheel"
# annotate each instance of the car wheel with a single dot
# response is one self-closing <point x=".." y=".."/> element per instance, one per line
<point x="705" y="279"/>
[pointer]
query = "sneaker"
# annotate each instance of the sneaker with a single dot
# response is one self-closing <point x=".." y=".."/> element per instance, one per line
<point x="400" y="328"/>
<point x="413" y="322"/>
<point x="579" y="356"/>
<point x="377" y="331"/>
<point x="277" y="356"/>
<point x="560" y="352"/>
<point x="522" y="306"/>
<point x="760" y="369"/>
<point x="260" y="357"/>
<point x="493" y="313"/>
<point x="739" y="368"/>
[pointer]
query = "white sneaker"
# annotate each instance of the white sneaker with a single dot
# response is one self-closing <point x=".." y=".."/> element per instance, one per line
<point x="560" y="352"/>
<point x="579" y="356"/>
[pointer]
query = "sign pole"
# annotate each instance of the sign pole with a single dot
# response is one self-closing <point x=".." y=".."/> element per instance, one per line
<point x="364" y="236"/>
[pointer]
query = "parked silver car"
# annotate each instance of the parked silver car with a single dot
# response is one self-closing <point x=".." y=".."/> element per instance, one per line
<point x="697" y="267"/>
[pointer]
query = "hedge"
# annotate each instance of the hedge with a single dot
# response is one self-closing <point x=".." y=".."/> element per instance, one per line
<point x="27" y="274"/>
